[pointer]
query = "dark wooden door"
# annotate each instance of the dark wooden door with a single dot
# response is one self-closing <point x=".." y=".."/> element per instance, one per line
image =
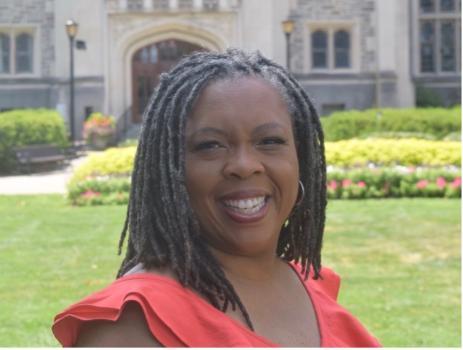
<point x="148" y="63"/>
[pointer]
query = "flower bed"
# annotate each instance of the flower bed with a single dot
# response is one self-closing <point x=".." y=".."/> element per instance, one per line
<point x="394" y="182"/>
<point x="105" y="177"/>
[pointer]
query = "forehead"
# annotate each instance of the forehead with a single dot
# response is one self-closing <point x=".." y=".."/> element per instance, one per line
<point x="244" y="100"/>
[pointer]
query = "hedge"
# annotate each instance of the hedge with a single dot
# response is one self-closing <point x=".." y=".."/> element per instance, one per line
<point x="116" y="162"/>
<point x="438" y="122"/>
<point x="350" y="153"/>
<point x="28" y="127"/>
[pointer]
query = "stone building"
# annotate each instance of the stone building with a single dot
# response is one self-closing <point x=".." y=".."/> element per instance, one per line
<point x="346" y="53"/>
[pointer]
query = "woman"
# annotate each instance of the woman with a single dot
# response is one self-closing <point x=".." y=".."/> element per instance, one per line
<point x="225" y="220"/>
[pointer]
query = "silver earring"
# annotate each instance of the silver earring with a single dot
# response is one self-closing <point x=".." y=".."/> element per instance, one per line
<point x="302" y="193"/>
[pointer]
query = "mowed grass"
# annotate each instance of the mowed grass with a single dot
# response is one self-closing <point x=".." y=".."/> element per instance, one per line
<point x="399" y="261"/>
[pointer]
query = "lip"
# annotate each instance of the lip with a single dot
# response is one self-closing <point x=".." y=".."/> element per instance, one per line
<point x="245" y="194"/>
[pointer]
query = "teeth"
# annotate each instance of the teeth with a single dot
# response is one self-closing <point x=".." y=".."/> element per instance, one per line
<point x="246" y="206"/>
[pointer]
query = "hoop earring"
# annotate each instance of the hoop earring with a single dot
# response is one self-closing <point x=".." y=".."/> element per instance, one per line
<point x="302" y="195"/>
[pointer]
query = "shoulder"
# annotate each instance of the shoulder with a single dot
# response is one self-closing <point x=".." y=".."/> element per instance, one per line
<point x="137" y="302"/>
<point x="129" y="330"/>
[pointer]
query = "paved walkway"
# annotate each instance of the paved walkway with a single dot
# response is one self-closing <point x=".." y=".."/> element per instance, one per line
<point x="54" y="181"/>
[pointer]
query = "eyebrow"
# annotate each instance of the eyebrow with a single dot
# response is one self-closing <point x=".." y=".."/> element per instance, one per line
<point x="258" y="129"/>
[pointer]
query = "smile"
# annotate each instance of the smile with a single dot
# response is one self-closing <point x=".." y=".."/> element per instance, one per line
<point x="246" y="206"/>
<point x="246" y="210"/>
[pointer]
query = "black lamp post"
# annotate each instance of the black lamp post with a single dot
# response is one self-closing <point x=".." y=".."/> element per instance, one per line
<point x="288" y="27"/>
<point x="71" y="30"/>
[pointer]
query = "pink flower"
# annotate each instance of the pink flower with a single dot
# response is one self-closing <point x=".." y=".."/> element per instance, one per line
<point x="440" y="182"/>
<point x="90" y="194"/>
<point x="333" y="185"/>
<point x="456" y="182"/>
<point x="346" y="182"/>
<point x="361" y="184"/>
<point x="422" y="184"/>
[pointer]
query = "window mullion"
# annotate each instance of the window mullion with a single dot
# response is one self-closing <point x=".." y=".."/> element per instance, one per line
<point x="437" y="46"/>
<point x="12" y="52"/>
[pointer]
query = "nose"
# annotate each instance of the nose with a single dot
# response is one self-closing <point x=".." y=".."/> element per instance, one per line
<point x="242" y="163"/>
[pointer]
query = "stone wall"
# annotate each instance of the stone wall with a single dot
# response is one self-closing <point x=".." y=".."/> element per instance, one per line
<point x="360" y="11"/>
<point x="39" y="13"/>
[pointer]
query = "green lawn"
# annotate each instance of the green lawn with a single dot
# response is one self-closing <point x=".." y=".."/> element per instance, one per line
<point x="399" y="260"/>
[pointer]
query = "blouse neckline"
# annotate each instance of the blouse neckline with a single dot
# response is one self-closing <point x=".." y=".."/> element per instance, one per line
<point x="173" y="282"/>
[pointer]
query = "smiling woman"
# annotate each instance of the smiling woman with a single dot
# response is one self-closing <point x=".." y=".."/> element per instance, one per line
<point x="225" y="220"/>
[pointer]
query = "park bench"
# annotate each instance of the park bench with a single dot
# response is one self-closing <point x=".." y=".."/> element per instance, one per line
<point x="28" y="156"/>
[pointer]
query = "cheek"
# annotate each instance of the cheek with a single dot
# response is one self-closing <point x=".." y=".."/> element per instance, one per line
<point x="200" y="180"/>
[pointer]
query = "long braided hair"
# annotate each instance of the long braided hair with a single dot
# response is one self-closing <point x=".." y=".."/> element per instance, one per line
<point x="161" y="226"/>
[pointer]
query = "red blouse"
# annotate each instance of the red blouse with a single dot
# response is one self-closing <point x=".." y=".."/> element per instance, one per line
<point x="177" y="317"/>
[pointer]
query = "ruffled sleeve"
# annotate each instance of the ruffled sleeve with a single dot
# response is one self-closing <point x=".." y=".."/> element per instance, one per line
<point x="175" y="315"/>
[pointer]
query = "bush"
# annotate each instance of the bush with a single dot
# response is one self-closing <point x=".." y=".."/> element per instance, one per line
<point x="103" y="190"/>
<point x="28" y="127"/>
<point x="384" y="183"/>
<point x="104" y="178"/>
<point x="355" y="152"/>
<point x="351" y="124"/>
<point x="116" y="162"/>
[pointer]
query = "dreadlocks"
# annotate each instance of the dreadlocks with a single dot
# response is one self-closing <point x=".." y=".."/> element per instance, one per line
<point x="163" y="229"/>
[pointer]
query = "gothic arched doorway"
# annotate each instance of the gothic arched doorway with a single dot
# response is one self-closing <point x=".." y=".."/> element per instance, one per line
<point x="148" y="63"/>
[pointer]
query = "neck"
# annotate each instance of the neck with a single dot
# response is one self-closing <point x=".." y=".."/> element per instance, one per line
<point x="249" y="268"/>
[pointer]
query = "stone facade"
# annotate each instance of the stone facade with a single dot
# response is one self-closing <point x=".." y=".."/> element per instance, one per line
<point x="382" y="69"/>
<point x="38" y="15"/>
<point x="359" y="12"/>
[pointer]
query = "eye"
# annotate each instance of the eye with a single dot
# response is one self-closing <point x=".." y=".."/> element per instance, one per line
<point x="208" y="145"/>
<point x="272" y="141"/>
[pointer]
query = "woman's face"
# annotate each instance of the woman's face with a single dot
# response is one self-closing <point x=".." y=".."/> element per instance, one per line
<point x="241" y="165"/>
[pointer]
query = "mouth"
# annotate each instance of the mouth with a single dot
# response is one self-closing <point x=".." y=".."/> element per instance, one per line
<point x="246" y="210"/>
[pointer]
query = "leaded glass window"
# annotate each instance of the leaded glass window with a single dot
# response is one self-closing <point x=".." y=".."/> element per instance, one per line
<point x="341" y="49"/>
<point x="448" y="51"/>
<point x="24" y="49"/>
<point x="447" y="5"/>
<point x="4" y="53"/>
<point x="427" y="39"/>
<point x="427" y="6"/>
<point x="319" y="49"/>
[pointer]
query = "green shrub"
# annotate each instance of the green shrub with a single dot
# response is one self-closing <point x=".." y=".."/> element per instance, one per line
<point x="350" y="153"/>
<point x="28" y="127"/>
<point x="114" y="162"/>
<point x="438" y="122"/>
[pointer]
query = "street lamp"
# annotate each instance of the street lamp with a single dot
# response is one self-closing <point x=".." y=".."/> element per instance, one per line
<point x="71" y="30"/>
<point x="288" y="27"/>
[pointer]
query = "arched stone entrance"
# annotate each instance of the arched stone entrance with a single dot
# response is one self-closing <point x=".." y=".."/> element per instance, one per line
<point x="148" y="63"/>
